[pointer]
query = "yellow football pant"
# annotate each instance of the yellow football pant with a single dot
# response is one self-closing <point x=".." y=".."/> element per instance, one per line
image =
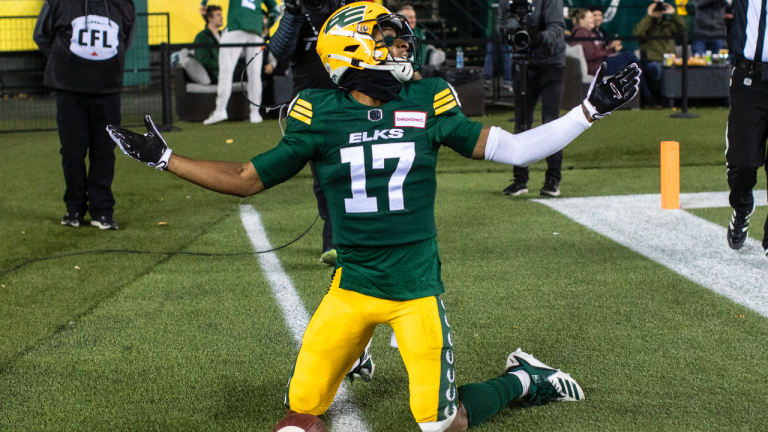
<point x="338" y="333"/>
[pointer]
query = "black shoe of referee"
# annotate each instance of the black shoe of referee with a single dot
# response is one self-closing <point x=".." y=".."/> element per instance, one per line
<point x="737" y="229"/>
<point x="516" y="189"/>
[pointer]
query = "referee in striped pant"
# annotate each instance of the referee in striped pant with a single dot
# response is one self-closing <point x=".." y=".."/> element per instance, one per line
<point x="747" y="127"/>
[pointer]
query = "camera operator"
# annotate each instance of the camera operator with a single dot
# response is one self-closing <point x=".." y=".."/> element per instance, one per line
<point x="544" y="60"/>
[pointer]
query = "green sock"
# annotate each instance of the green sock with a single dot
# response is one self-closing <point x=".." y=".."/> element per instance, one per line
<point x="483" y="400"/>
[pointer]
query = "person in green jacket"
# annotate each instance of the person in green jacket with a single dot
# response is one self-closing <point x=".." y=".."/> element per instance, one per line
<point x="209" y="57"/>
<point x="657" y="22"/>
<point x="244" y="25"/>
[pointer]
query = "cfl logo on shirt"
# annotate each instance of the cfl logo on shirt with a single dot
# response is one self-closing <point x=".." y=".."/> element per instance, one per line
<point x="94" y="37"/>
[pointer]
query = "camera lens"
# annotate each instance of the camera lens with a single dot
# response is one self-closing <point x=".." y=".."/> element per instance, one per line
<point x="521" y="40"/>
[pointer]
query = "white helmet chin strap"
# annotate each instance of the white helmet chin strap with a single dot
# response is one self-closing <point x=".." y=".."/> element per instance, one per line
<point x="403" y="71"/>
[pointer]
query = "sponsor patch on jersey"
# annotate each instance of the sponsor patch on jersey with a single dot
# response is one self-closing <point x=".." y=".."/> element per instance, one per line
<point x="94" y="37"/>
<point x="414" y="119"/>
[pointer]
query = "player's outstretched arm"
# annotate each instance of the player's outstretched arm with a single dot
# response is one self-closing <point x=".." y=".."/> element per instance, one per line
<point x="224" y="177"/>
<point x="533" y="145"/>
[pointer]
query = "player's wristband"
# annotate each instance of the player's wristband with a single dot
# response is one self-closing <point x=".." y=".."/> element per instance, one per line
<point x="162" y="164"/>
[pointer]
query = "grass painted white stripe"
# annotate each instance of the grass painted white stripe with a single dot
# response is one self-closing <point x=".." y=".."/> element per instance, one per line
<point x="691" y="246"/>
<point x="343" y="413"/>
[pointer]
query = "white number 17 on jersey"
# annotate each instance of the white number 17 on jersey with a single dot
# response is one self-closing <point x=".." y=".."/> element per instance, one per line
<point x="355" y="157"/>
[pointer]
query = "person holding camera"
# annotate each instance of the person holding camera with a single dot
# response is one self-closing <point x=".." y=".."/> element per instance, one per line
<point x="542" y="61"/>
<point x="661" y="19"/>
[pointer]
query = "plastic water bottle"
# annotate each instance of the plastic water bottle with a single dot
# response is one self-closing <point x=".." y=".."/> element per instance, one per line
<point x="459" y="58"/>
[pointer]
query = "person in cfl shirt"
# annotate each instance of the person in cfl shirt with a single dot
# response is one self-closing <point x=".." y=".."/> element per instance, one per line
<point x="375" y="143"/>
<point x="85" y="42"/>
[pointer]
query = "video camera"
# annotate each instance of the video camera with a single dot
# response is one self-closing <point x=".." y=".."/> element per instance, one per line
<point x="316" y="7"/>
<point x="519" y="37"/>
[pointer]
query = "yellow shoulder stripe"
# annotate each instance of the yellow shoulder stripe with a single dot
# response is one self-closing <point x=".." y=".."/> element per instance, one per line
<point x="304" y="103"/>
<point x="442" y="93"/>
<point x="300" y="117"/>
<point x="445" y="108"/>
<point x="302" y="110"/>
<point x="443" y="101"/>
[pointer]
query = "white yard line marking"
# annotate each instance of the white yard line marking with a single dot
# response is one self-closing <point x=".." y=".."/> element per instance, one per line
<point x="689" y="245"/>
<point x="343" y="413"/>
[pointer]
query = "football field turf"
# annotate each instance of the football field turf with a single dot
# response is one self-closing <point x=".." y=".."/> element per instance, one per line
<point x="129" y="341"/>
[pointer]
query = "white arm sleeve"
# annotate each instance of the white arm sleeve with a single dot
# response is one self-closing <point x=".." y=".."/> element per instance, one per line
<point x="533" y="145"/>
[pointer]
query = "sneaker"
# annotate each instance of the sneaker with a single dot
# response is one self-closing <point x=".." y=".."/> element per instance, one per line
<point x="105" y="223"/>
<point x="547" y="384"/>
<point x="216" y="117"/>
<point x="551" y="188"/>
<point x="737" y="230"/>
<point x="72" y="219"/>
<point x="363" y="368"/>
<point x="328" y="257"/>
<point x="256" y="118"/>
<point x="516" y="189"/>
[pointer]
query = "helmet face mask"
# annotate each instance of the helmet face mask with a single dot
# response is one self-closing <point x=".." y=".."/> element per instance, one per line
<point x="365" y="35"/>
<point x="398" y="24"/>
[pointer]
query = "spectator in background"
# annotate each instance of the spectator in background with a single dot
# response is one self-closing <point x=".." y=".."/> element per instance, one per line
<point x="431" y="57"/>
<point x="209" y="57"/>
<point x="244" y="25"/>
<point x="87" y="73"/>
<point x="661" y="19"/>
<point x="709" y="21"/>
<point x="596" y="52"/>
<point x="546" y="26"/>
<point x="597" y="13"/>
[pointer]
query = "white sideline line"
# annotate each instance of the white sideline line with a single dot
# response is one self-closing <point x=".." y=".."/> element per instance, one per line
<point x="691" y="246"/>
<point x="343" y="413"/>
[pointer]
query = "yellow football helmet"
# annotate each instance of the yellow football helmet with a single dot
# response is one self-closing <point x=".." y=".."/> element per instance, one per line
<point x="346" y="40"/>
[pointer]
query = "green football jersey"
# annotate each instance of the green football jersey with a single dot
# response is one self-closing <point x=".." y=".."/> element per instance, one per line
<point x="376" y="166"/>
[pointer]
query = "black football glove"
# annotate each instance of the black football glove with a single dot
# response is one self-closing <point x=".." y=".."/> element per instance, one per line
<point x="293" y="7"/>
<point x="605" y="96"/>
<point x="149" y="148"/>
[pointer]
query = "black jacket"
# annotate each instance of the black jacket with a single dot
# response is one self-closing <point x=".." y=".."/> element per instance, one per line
<point x="296" y="39"/>
<point x="547" y="19"/>
<point x="85" y="55"/>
